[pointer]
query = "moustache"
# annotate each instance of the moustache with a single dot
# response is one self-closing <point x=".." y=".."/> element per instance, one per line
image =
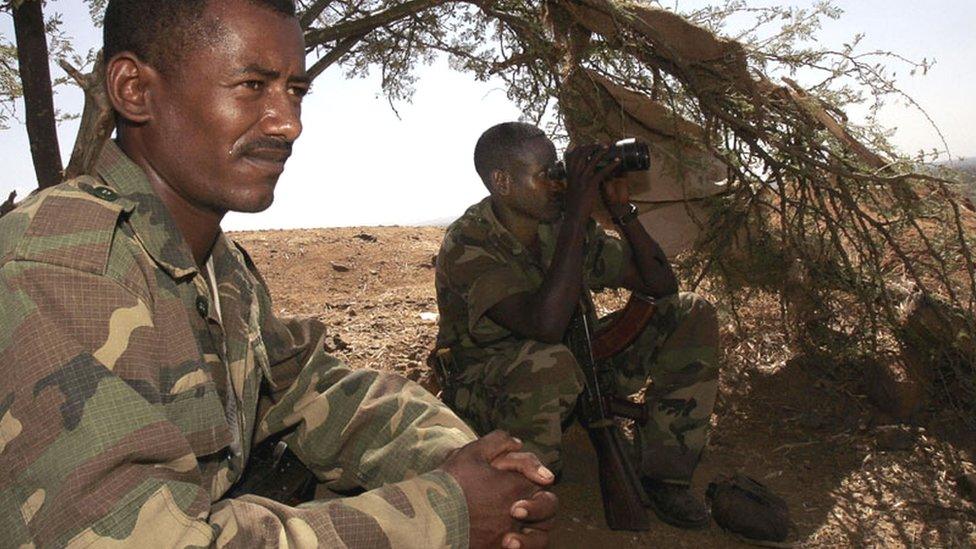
<point x="266" y="147"/>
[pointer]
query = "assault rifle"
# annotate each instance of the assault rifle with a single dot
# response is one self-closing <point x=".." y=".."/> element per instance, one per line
<point x="624" y="499"/>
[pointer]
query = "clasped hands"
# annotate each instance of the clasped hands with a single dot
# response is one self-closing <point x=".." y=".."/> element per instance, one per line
<point x="504" y="489"/>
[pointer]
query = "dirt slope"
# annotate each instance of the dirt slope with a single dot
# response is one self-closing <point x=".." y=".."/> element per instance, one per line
<point x="799" y="426"/>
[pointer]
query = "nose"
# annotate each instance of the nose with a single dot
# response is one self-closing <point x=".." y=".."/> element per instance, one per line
<point x="282" y="116"/>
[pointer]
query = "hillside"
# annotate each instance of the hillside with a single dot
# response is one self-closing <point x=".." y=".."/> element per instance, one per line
<point x="964" y="165"/>
<point x="850" y="476"/>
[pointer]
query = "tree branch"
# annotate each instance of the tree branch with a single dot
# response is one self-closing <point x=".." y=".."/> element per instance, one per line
<point x="97" y="119"/>
<point x="35" y="77"/>
<point x="8" y="204"/>
<point x="313" y="12"/>
<point x="334" y="54"/>
<point x="317" y="37"/>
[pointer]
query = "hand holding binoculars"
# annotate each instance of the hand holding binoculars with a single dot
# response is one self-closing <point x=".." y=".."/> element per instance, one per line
<point x="633" y="154"/>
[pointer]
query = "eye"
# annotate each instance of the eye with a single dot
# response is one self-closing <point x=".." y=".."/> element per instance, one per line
<point x="255" y="85"/>
<point x="300" y="90"/>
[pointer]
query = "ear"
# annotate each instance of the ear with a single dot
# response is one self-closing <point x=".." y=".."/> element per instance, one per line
<point x="501" y="182"/>
<point x="128" y="80"/>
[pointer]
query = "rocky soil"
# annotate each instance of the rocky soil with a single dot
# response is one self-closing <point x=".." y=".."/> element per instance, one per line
<point x="851" y="475"/>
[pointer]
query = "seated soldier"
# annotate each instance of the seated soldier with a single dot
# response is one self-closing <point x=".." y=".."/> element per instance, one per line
<point x="510" y="273"/>
<point x="142" y="366"/>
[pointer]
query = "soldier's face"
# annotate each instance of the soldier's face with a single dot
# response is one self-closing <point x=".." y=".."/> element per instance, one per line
<point x="228" y="115"/>
<point x="533" y="193"/>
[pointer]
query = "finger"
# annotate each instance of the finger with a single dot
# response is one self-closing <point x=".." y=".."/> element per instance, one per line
<point x="619" y="193"/>
<point x="572" y="158"/>
<point x="539" y="508"/>
<point x="528" y="538"/>
<point x="606" y="171"/>
<point x="623" y="191"/>
<point x="598" y="156"/>
<point x="610" y="194"/>
<point x="526" y="463"/>
<point x="582" y="151"/>
<point x="580" y="157"/>
<point x="497" y="443"/>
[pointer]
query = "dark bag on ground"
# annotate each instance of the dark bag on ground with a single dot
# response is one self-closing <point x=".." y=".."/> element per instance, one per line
<point x="742" y="505"/>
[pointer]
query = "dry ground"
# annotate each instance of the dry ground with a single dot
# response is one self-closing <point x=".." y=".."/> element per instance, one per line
<point x="801" y="426"/>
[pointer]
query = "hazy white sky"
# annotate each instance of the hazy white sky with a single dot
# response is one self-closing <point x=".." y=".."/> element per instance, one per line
<point x="357" y="164"/>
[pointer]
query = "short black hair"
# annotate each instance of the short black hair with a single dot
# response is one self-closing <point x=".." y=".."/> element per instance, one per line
<point x="500" y="145"/>
<point x="160" y="31"/>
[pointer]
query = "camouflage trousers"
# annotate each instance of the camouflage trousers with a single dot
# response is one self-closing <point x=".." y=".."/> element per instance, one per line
<point x="530" y="390"/>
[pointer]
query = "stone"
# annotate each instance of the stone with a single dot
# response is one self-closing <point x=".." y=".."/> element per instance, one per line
<point x="893" y="388"/>
<point x="895" y="437"/>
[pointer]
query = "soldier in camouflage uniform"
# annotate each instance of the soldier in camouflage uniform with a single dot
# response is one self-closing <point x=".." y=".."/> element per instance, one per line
<point x="509" y="276"/>
<point x="141" y="360"/>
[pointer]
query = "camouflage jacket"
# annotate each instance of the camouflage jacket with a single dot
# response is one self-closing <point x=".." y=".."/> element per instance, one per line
<point x="480" y="263"/>
<point x="128" y="408"/>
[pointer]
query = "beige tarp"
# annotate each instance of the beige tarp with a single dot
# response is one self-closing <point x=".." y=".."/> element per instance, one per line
<point x="682" y="171"/>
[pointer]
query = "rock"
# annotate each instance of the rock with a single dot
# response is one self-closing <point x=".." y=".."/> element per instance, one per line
<point x="932" y="324"/>
<point x="336" y="343"/>
<point x="893" y="387"/>
<point x="413" y="375"/>
<point x="339" y="267"/>
<point x="895" y="437"/>
<point x="812" y="420"/>
<point x="967" y="485"/>
<point x="935" y="333"/>
<point x="365" y="237"/>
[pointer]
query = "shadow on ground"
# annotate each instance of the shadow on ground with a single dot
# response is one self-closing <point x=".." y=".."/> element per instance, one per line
<point x="851" y="478"/>
<point x="797" y="425"/>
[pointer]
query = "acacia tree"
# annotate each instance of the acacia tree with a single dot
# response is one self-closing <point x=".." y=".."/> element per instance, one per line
<point x="872" y="261"/>
<point x="870" y="258"/>
<point x="25" y="75"/>
<point x="35" y="76"/>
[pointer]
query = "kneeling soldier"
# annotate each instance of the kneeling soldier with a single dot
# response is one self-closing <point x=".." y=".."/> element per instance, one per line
<point x="510" y="274"/>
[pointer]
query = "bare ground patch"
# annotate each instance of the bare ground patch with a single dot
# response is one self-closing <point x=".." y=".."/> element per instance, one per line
<point x="799" y="424"/>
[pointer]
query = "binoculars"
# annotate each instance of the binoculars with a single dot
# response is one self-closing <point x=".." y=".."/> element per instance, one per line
<point x="633" y="154"/>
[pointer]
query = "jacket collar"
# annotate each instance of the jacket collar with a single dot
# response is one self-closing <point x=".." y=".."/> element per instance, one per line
<point x="504" y="239"/>
<point x="150" y="219"/>
<point x="498" y="233"/>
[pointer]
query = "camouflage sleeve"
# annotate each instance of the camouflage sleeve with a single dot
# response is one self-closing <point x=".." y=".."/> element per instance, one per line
<point x="481" y="280"/>
<point x="607" y="259"/>
<point x="88" y="454"/>
<point x="394" y="515"/>
<point x="361" y="428"/>
<point x="355" y="427"/>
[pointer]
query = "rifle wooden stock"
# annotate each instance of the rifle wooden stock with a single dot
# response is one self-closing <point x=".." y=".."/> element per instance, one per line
<point x="624" y="329"/>
<point x="623" y="496"/>
<point x="623" y="506"/>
